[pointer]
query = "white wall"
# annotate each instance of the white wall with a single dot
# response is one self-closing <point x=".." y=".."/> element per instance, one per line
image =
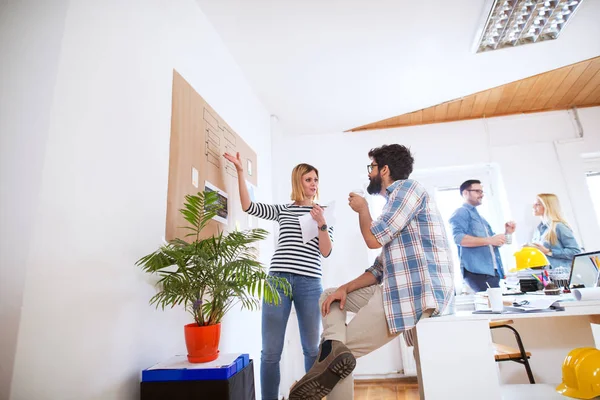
<point x="27" y="80"/>
<point x="522" y="146"/>
<point x="101" y="144"/>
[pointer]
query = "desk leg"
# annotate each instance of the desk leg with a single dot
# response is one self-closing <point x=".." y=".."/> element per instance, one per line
<point x="457" y="360"/>
<point x="595" y="324"/>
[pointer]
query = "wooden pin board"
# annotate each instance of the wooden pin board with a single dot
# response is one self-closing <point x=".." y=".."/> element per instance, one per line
<point x="199" y="138"/>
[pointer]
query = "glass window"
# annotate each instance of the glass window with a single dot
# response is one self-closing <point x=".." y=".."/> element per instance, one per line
<point x="449" y="200"/>
<point x="376" y="204"/>
<point x="593" y="182"/>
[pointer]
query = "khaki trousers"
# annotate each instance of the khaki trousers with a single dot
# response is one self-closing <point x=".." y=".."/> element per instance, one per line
<point x="366" y="332"/>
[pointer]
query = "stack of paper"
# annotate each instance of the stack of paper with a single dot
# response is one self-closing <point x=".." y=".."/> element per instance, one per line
<point x="181" y="362"/>
<point x="309" y="227"/>
<point x="535" y="305"/>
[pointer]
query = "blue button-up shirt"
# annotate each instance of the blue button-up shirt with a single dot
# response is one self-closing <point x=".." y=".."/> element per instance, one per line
<point x="565" y="248"/>
<point x="478" y="260"/>
<point x="415" y="263"/>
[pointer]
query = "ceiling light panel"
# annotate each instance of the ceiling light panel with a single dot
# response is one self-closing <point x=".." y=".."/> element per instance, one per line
<point x="515" y="22"/>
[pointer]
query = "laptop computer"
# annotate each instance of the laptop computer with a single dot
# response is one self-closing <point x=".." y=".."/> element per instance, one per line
<point x="585" y="270"/>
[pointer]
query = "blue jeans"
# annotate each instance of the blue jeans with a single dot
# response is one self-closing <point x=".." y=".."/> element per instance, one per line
<point x="305" y="296"/>
<point x="477" y="282"/>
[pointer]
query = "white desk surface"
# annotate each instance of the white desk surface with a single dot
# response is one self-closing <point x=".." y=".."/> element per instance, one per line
<point x="572" y="308"/>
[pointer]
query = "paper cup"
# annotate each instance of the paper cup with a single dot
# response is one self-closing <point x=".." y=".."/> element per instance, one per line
<point x="495" y="298"/>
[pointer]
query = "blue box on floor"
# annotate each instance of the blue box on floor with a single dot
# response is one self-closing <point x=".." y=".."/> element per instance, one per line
<point x="211" y="384"/>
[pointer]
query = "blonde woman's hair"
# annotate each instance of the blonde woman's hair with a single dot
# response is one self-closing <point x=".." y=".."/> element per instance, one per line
<point x="552" y="215"/>
<point x="297" y="173"/>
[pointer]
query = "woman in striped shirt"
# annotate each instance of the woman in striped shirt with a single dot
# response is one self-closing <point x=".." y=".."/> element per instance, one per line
<point x="297" y="262"/>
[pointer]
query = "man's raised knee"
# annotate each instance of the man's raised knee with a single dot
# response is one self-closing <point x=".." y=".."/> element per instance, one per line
<point x="326" y="294"/>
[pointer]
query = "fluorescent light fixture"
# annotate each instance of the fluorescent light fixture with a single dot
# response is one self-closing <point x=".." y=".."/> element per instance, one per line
<point x="515" y="22"/>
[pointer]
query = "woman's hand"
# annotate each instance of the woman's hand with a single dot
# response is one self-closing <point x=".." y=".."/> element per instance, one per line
<point x="541" y="248"/>
<point x="237" y="161"/>
<point x="317" y="213"/>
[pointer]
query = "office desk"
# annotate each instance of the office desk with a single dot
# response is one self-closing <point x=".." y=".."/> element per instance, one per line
<point x="457" y="357"/>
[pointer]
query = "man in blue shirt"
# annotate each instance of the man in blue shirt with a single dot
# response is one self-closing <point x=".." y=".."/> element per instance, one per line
<point x="480" y="261"/>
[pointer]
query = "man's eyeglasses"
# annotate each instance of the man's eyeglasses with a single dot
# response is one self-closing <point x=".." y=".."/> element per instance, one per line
<point x="478" y="191"/>
<point x="370" y="167"/>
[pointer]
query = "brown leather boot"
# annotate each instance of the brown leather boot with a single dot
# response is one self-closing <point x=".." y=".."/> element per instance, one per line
<point x="335" y="362"/>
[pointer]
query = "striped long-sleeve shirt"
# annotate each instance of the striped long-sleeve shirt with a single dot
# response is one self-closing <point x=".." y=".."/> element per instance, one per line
<point x="292" y="255"/>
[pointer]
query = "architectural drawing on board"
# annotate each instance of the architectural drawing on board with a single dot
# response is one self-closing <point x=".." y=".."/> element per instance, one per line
<point x="230" y="137"/>
<point x="214" y="133"/>
<point x="229" y="168"/>
<point x="212" y="139"/>
<point x="231" y="148"/>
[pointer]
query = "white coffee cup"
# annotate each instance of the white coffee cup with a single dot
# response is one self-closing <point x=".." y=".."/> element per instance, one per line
<point x="495" y="298"/>
<point x="359" y="192"/>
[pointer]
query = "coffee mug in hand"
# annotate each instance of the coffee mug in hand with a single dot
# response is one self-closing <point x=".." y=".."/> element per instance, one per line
<point x="359" y="192"/>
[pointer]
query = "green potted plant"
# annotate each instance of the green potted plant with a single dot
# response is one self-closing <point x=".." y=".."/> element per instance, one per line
<point x="210" y="276"/>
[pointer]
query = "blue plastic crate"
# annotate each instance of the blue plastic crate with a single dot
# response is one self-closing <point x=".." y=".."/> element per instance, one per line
<point x="179" y="369"/>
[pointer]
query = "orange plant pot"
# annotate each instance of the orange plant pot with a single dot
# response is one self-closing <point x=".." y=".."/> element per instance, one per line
<point x="202" y="342"/>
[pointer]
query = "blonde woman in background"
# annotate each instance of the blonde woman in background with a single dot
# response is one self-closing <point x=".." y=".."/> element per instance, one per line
<point x="553" y="236"/>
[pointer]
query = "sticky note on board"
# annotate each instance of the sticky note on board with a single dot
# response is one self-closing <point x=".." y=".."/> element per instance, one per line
<point x="195" y="177"/>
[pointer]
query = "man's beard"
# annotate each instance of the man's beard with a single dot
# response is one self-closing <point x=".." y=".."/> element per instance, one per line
<point x="375" y="185"/>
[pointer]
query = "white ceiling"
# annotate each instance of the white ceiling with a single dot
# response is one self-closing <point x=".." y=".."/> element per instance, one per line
<point x="324" y="66"/>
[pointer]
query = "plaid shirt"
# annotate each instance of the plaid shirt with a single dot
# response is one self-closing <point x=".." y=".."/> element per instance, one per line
<point x="415" y="264"/>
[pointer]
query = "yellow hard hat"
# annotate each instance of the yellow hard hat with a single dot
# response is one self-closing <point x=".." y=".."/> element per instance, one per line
<point x="529" y="257"/>
<point x="581" y="374"/>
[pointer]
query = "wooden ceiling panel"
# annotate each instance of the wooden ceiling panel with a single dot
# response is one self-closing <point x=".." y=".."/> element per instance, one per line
<point x="428" y="115"/>
<point x="567" y="84"/>
<point x="404" y="119"/>
<point x="392" y="121"/>
<point x="440" y="112"/>
<point x="480" y="101"/>
<point x="555" y="79"/>
<point x="576" y="85"/>
<point x="581" y="82"/>
<point x="536" y="90"/>
<point x="594" y="97"/>
<point x="588" y="89"/>
<point x="454" y="109"/>
<point x="508" y="94"/>
<point x="466" y="106"/>
<point x="493" y="100"/>
<point x="416" y="118"/>
<point x="524" y="88"/>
